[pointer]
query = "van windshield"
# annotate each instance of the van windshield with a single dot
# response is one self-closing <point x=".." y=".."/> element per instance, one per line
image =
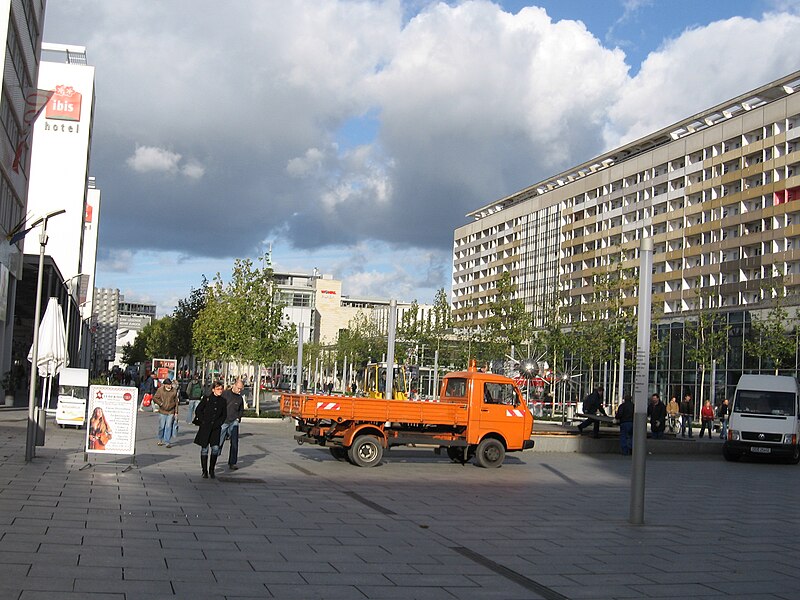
<point x="764" y="402"/>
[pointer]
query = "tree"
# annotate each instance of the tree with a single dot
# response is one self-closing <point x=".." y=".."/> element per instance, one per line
<point x="242" y="320"/>
<point x="771" y="341"/>
<point x="706" y="336"/>
<point x="507" y="324"/>
<point x="185" y="314"/>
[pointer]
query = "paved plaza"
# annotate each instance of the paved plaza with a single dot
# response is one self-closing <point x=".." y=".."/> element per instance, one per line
<point x="295" y="523"/>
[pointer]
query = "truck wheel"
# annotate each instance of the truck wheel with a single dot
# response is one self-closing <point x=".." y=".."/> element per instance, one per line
<point x="795" y="458"/>
<point x="490" y="453"/>
<point x="338" y="452"/>
<point x="366" y="451"/>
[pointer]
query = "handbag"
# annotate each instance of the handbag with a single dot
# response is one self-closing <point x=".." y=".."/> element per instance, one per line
<point x="147" y="399"/>
<point x="104" y="437"/>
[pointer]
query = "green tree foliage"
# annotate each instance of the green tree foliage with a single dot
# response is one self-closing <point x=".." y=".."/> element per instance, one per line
<point x="242" y="320"/>
<point x="185" y="314"/>
<point x="773" y="334"/>
<point x="507" y="324"/>
<point x="362" y="341"/>
<point x="706" y="336"/>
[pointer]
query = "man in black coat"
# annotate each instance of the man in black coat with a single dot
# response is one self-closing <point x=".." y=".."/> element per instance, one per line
<point x="591" y="406"/>
<point x="658" y="416"/>
<point x="210" y="415"/>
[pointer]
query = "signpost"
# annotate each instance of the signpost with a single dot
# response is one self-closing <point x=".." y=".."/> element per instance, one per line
<point x="111" y="428"/>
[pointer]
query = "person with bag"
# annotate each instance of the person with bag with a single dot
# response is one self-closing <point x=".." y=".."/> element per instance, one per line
<point x="166" y="398"/>
<point x="195" y="393"/>
<point x="209" y="417"/>
<point x="148" y="391"/>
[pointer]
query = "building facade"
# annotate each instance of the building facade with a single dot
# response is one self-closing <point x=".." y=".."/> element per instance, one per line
<point x="116" y="323"/>
<point x="316" y="301"/>
<point x="716" y="193"/>
<point x="21" y="25"/>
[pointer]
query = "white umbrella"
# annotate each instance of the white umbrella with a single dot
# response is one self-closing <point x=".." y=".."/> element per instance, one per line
<point x="52" y="344"/>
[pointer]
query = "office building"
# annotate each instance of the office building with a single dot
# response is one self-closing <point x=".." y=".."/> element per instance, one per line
<point x="715" y="192"/>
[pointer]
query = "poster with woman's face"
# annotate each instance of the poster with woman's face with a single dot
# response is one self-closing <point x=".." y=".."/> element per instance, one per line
<point x="111" y="423"/>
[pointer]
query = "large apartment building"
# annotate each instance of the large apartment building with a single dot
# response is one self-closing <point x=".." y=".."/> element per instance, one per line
<point x="716" y="193"/>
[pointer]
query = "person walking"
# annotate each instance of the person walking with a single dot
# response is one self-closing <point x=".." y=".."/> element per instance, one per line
<point x="166" y="399"/>
<point x="687" y="414"/>
<point x="148" y="389"/>
<point x="591" y="406"/>
<point x="209" y="416"/>
<point x="230" y="429"/>
<point x="658" y="416"/>
<point x="625" y="417"/>
<point x="194" y="392"/>
<point x="707" y="418"/>
<point x="723" y="411"/>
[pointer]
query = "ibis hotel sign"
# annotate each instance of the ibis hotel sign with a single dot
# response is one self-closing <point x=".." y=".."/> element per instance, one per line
<point x="65" y="106"/>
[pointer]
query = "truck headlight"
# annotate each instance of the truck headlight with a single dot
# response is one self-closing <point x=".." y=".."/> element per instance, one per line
<point x="790" y="438"/>
<point x="733" y="435"/>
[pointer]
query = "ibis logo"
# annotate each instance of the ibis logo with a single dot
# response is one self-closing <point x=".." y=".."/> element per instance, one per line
<point x="65" y="105"/>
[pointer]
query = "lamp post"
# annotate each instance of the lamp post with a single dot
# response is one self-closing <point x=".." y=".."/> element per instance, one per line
<point x="30" y="441"/>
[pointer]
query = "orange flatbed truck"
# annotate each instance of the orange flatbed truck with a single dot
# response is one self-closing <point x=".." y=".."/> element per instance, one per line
<point x="480" y="415"/>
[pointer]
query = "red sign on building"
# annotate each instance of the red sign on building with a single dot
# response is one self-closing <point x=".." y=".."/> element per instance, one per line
<point x="65" y="105"/>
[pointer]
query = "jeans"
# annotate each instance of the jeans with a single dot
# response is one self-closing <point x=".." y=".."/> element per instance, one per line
<point x="165" y="427"/>
<point x="626" y="437"/>
<point x="190" y="411"/>
<point x="723" y="430"/>
<point x="231" y="431"/>
<point x="214" y="450"/>
<point x="686" y="421"/>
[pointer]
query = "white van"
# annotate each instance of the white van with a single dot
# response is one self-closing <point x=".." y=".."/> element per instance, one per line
<point x="764" y="418"/>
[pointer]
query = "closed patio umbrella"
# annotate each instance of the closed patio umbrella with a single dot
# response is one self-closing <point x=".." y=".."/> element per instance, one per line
<point x="52" y="345"/>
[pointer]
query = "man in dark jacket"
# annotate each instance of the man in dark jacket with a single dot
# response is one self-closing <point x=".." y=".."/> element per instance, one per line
<point x="591" y="406"/>
<point x="230" y="429"/>
<point x="625" y="417"/>
<point x="210" y="415"/>
<point x="687" y="414"/>
<point x="657" y="411"/>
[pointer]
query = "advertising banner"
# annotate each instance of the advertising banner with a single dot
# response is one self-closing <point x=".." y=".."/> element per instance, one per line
<point x="165" y="367"/>
<point x="112" y="420"/>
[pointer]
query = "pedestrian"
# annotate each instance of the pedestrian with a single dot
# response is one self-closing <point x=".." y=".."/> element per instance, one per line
<point x="591" y="406"/>
<point x="195" y="393"/>
<point x="148" y="391"/>
<point x="625" y="417"/>
<point x="707" y="418"/>
<point x="658" y="416"/>
<point x="233" y="416"/>
<point x="673" y="414"/>
<point x="166" y="398"/>
<point x="723" y="412"/>
<point x="209" y="416"/>
<point x="687" y="414"/>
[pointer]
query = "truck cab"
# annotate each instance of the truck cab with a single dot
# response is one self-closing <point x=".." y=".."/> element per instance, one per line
<point x="764" y="418"/>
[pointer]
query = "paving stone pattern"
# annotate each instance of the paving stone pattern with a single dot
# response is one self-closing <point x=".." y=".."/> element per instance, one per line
<point x="295" y="523"/>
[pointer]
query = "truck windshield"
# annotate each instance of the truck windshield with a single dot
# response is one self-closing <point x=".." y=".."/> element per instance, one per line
<point x="764" y="402"/>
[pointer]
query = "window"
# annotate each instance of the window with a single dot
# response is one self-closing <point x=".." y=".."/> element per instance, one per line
<point x="456" y="388"/>
<point x="499" y="393"/>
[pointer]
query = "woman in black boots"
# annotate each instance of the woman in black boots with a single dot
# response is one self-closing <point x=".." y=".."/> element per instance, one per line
<point x="210" y="415"/>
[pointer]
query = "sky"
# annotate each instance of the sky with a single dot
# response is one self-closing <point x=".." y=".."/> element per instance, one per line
<point x="355" y="136"/>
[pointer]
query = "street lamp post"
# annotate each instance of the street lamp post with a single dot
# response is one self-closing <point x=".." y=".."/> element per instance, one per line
<point x="30" y="441"/>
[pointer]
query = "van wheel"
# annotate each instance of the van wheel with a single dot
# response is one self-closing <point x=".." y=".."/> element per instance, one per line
<point x="490" y="453"/>
<point x="795" y="458"/>
<point x="366" y="451"/>
<point x="338" y="452"/>
<point x="731" y="456"/>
